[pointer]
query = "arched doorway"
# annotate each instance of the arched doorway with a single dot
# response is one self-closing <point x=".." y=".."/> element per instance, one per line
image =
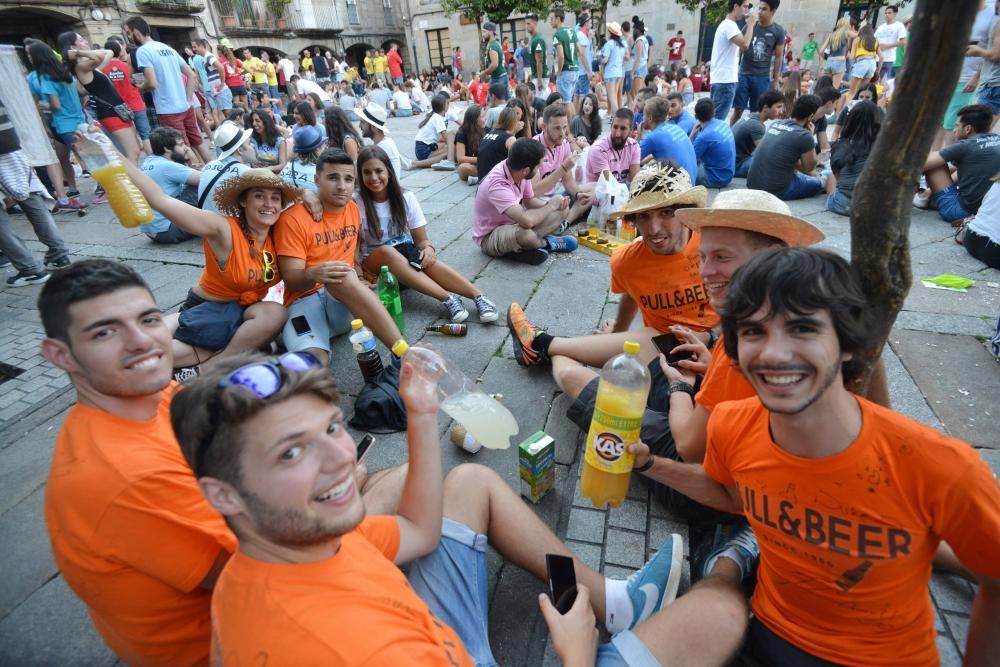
<point x="356" y="54"/>
<point x="44" y="24"/>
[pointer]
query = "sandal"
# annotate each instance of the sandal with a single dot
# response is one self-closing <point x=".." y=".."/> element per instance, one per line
<point x="960" y="231"/>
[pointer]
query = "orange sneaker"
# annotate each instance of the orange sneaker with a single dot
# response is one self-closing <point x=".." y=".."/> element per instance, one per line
<point x="522" y="334"/>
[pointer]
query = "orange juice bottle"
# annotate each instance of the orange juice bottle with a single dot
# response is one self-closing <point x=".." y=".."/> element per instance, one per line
<point x="621" y="402"/>
<point x="108" y="169"/>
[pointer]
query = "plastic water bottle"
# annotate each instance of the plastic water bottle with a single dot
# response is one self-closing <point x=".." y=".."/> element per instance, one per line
<point x="621" y="402"/>
<point x="363" y="342"/>
<point x="483" y="417"/>
<point x="108" y="169"/>
<point x="388" y="294"/>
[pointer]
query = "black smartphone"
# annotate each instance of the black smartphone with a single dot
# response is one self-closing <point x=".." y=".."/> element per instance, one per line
<point x="301" y="325"/>
<point x="562" y="581"/>
<point x="666" y="343"/>
<point x="365" y="443"/>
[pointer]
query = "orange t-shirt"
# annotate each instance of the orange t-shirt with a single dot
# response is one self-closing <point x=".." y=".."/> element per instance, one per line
<point x="846" y="542"/>
<point x="133" y="536"/>
<point x="724" y="381"/>
<point x="243" y="279"/>
<point x="355" y="608"/>
<point x="667" y="288"/>
<point x="332" y="239"/>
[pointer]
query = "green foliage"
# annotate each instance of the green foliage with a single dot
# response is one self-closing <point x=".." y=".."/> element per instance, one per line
<point x="500" y="10"/>
<point x="715" y="10"/>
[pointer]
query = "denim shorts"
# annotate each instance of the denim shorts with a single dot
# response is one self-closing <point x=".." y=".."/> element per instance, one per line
<point x="743" y="168"/>
<point x="566" y="83"/>
<point x="582" y="85"/>
<point x="990" y="96"/>
<point x="208" y="324"/>
<point x="453" y="581"/>
<point x="423" y="151"/>
<point x="835" y="67"/>
<point x="404" y="113"/>
<point x="749" y="89"/>
<point x="325" y="317"/>
<point x="722" y="95"/>
<point x="949" y="205"/>
<point x="863" y="69"/>
<point x="839" y="203"/>
<point x="627" y="83"/>
<point x="802" y="187"/>
<point x="222" y="100"/>
<point x="141" y="122"/>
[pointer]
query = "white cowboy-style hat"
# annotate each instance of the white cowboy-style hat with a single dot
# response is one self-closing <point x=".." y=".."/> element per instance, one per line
<point x="375" y="115"/>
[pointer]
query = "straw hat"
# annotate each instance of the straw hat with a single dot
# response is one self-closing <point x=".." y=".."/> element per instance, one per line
<point x="659" y="186"/>
<point x="376" y="116"/>
<point x="227" y="196"/>
<point x="753" y="211"/>
<point x="615" y="28"/>
<point x="228" y="138"/>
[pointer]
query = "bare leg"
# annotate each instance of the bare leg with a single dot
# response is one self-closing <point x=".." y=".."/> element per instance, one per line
<point x="383" y="489"/>
<point x="450" y="142"/>
<point x="478" y="498"/>
<point x="62" y="151"/>
<point x="418" y="280"/>
<point x="831" y="184"/>
<point x="596" y="349"/>
<point x="261" y="324"/>
<point x="939" y="179"/>
<point x="203" y="152"/>
<point x="55" y="173"/>
<point x="571" y="375"/>
<point x="363" y="304"/>
<point x="837" y="78"/>
<point x="465" y="170"/>
<point x="735" y="117"/>
<point x="452" y="280"/>
<point x="439" y="154"/>
<point x="127" y="138"/>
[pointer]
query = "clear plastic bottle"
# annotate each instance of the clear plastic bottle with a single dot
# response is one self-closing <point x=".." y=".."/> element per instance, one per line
<point x="108" y="169"/>
<point x="388" y="294"/>
<point x="617" y="420"/>
<point x="485" y="419"/>
<point x="364" y="344"/>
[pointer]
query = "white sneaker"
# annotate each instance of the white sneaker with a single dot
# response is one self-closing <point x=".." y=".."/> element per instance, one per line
<point x="922" y="198"/>
<point x="473" y="180"/>
<point x="406" y="162"/>
<point x="444" y="165"/>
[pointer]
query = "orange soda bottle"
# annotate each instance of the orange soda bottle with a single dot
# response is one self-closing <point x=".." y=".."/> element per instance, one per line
<point x="621" y="402"/>
<point x="108" y="169"/>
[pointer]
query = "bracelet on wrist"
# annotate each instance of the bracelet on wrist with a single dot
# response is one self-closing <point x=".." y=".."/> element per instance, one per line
<point x="712" y="338"/>
<point x="680" y="386"/>
<point x="645" y="466"/>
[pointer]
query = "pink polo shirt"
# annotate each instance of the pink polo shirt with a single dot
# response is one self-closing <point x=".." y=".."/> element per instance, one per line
<point x="554" y="157"/>
<point x="496" y="194"/>
<point x="603" y="156"/>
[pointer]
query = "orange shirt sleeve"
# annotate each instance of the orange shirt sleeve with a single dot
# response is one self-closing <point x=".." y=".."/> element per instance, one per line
<point x="290" y="237"/>
<point x="716" y="465"/>
<point x="383" y="533"/>
<point x="618" y="264"/>
<point x="175" y="536"/>
<point x="724" y="381"/>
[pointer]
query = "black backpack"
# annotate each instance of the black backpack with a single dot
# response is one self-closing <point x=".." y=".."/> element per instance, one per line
<point x="379" y="407"/>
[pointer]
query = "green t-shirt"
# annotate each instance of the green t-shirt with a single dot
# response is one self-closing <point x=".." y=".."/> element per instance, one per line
<point x="500" y="73"/>
<point x="900" y="54"/>
<point x="809" y="50"/>
<point x="538" y="46"/>
<point x="567" y="39"/>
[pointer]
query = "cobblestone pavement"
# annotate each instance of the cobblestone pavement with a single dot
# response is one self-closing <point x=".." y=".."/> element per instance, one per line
<point x="940" y="373"/>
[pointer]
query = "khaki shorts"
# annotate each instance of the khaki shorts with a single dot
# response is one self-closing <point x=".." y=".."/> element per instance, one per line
<point x="501" y="241"/>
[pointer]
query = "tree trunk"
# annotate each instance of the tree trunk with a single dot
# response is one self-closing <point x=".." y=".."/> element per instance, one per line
<point x="881" y="206"/>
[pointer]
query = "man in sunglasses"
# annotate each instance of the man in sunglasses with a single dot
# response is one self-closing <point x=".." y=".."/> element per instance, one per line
<point x="316" y="577"/>
<point x="130" y="531"/>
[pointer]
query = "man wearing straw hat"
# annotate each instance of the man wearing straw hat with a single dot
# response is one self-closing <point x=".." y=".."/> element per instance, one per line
<point x="373" y="126"/>
<point x="232" y="143"/>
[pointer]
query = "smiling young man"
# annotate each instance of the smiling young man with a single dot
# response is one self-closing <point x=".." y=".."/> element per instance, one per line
<point x="617" y="152"/>
<point x="849" y="500"/>
<point x="323" y="291"/>
<point x="555" y="173"/>
<point x="316" y="572"/>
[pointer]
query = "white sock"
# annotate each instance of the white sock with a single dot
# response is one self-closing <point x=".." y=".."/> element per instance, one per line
<point x="732" y="554"/>
<point x="617" y="606"/>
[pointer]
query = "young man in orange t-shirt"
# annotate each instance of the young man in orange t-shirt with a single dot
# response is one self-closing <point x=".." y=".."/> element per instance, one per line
<point x="316" y="581"/>
<point x="849" y="500"/>
<point x="323" y="291"/>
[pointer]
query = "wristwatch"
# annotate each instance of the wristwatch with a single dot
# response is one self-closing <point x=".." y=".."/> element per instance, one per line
<point x="645" y="466"/>
<point x="712" y="338"/>
<point x="679" y="385"/>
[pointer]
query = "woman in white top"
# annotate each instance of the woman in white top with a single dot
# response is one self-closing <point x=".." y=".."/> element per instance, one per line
<point x="394" y="234"/>
<point x="433" y="142"/>
<point x="401" y="102"/>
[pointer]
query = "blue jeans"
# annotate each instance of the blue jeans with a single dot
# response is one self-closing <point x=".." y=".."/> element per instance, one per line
<point x="990" y="96"/>
<point x="802" y="187"/>
<point x="839" y="203"/>
<point x="582" y="85"/>
<point x="566" y="83"/>
<point x="404" y="113"/>
<point x="453" y="581"/>
<point x="949" y="206"/>
<point x="704" y="180"/>
<point x="722" y="95"/>
<point x="142" y="124"/>
<point x="41" y="220"/>
<point x="749" y="89"/>
<point x="743" y="168"/>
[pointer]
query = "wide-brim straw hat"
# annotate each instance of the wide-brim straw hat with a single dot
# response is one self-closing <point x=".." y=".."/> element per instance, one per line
<point x="752" y="211"/>
<point x="227" y="196"/>
<point x="659" y="186"/>
<point x="615" y="28"/>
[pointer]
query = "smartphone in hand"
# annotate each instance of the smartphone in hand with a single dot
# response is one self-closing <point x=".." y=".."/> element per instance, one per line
<point x="666" y="343"/>
<point x="562" y="581"/>
<point x="365" y="443"/>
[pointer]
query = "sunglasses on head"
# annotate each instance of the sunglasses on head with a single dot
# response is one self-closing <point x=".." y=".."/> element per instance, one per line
<point x="263" y="378"/>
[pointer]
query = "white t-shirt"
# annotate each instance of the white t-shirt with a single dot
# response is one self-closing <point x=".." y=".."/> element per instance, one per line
<point x="419" y="97"/>
<point x="286" y="66"/>
<point x="414" y="219"/>
<point x="402" y="100"/>
<point x="389" y="146"/>
<point x="725" y="54"/>
<point x="890" y="33"/>
<point x="305" y="86"/>
<point x="430" y="133"/>
<point x="987" y="220"/>
<point x="299" y="175"/>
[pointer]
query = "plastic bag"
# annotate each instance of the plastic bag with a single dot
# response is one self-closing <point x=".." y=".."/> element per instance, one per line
<point x="610" y="197"/>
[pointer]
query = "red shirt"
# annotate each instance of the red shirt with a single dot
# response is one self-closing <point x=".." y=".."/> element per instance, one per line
<point x="478" y="91"/>
<point x="675" y="48"/>
<point x="697" y="82"/>
<point x="120" y="74"/>
<point x="395" y="64"/>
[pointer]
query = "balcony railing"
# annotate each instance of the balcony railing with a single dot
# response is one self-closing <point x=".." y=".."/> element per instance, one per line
<point x="170" y="6"/>
<point x="301" y="16"/>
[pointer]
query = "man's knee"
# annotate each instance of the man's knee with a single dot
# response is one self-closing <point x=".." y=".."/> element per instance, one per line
<point x="470" y="479"/>
<point x="571" y="376"/>
<point x="268" y="314"/>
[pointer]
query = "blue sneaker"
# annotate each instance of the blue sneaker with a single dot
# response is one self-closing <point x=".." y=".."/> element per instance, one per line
<point x="566" y="243"/>
<point x="655" y="586"/>
<point x="737" y="543"/>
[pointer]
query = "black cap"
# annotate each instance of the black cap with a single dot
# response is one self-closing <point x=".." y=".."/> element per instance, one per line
<point x="582" y="18"/>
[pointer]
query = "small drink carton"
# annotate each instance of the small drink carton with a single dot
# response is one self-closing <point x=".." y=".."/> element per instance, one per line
<point x="537" y="463"/>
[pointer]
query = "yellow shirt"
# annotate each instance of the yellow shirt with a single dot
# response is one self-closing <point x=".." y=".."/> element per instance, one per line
<point x="369" y="65"/>
<point x="307" y="64"/>
<point x="351" y="75"/>
<point x="272" y="74"/>
<point x="256" y="67"/>
<point x="861" y="52"/>
<point x="381" y="65"/>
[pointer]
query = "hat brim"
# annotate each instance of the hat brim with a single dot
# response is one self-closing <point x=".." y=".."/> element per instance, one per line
<point x="227" y="196"/>
<point x="371" y="120"/>
<point x="245" y="135"/>
<point x="788" y="228"/>
<point x="649" y="201"/>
